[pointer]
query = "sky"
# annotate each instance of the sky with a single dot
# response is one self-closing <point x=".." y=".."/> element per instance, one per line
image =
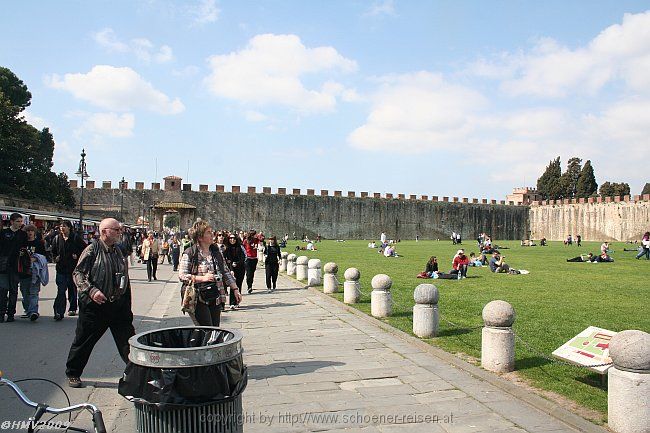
<point x="446" y="98"/>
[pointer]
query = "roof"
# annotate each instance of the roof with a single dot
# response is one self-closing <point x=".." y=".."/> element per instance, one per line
<point x="172" y="177"/>
<point x="173" y="205"/>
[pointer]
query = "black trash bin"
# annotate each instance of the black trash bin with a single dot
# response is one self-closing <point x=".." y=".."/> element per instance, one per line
<point x="186" y="380"/>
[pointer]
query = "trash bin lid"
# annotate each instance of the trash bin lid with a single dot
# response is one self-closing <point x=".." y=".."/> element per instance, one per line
<point x="185" y="346"/>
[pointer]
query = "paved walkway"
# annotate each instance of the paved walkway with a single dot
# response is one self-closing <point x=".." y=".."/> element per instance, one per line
<point x="313" y="366"/>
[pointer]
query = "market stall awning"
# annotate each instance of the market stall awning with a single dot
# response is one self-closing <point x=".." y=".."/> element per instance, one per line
<point x="173" y="205"/>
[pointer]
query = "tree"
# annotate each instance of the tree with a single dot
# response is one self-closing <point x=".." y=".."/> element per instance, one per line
<point x="622" y="188"/>
<point x="26" y="152"/>
<point x="172" y="221"/>
<point x="548" y="185"/>
<point x="586" y="185"/>
<point x="613" y="189"/>
<point x="646" y="189"/>
<point x="569" y="179"/>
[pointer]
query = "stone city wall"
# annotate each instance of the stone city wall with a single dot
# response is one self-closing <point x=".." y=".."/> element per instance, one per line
<point x="339" y="216"/>
<point x="612" y="218"/>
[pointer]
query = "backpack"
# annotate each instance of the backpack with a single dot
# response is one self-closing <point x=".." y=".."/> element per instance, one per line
<point x="24" y="263"/>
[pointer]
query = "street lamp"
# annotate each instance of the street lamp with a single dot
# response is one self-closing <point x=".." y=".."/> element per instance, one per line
<point x="122" y="200"/>
<point x="143" y="208"/>
<point x="83" y="174"/>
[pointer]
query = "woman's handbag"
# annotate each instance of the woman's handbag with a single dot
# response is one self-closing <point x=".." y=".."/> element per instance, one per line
<point x="208" y="291"/>
<point x="190" y="296"/>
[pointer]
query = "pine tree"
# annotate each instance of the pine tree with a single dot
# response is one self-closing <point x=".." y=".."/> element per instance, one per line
<point x="548" y="184"/>
<point x="646" y="189"/>
<point x="586" y="185"/>
<point x="569" y="179"/>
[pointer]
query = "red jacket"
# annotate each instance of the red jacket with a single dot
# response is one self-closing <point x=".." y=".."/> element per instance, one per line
<point x="458" y="261"/>
<point x="251" y="248"/>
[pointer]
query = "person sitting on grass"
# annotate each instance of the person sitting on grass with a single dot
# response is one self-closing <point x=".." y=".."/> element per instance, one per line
<point x="459" y="264"/>
<point x="432" y="266"/>
<point x="390" y="251"/>
<point x="498" y="264"/>
<point x="477" y="261"/>
<point x="372" y="245"/>
<point x="310" y="246"/>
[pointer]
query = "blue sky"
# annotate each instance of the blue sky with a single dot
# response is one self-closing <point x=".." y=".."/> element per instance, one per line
<point x="447" y="98"/>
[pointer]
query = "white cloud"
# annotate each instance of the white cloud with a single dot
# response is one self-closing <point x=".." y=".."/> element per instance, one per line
<point x="116" y="89"/>
<point x="188" y="71"/>
<point x="417" y="113"/>
<point x="205" y="12"/>
<point x="382" y="7"/>
<point x="142" y="48"/>
<point x="34" y="120"/>
<point x="108" y="124"/>
<point x="551" y="70"/>
<point x="269" y="71"/>
<point x="255" y="116"/>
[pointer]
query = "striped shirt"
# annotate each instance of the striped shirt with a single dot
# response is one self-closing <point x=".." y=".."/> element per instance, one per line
<point x="205" y="266"/>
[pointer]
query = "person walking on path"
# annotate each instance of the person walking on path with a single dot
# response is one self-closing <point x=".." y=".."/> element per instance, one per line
<point x="12" y="240"/>
<point x="102" y="276"/>
<point x="204" y="274"/>
<point x="66" y="249"/>
<point x="250" y="246"/>
<point x="236" y="259"/>
<point x="175" y="252"/>
<point x="273" y="256"/>
<point x="150" y="255"/>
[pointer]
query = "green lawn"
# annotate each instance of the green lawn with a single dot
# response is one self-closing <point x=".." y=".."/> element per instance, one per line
<point x="553" y="303"/>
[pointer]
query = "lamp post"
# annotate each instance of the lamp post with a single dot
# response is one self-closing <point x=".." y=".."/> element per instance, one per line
<point x="83" y="174"/>
<point x="122" y="200"/>
<point x="143" y="208"/>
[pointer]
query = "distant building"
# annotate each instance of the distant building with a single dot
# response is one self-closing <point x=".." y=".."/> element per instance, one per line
<point x="524" y="195"/>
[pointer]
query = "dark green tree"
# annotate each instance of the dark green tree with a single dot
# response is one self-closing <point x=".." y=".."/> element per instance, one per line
<point x="548" y="184"/>
<point x="26" y="152"/>
<point x="172" y="221"/>
<point x="586" y="185"/>
<point x="622" y="188"/>
<point x="569" y="179"/>
<point x="606" y="189"/>
<point x="646" y="189"/>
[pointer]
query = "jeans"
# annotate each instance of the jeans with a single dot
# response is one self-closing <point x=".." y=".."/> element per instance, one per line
<point x="175" y="259"/>
<point x="94" y="320"/>
<point x="152" y="267"/>
<point x="65" y="284"/>
<point x="645" y="252"/>
<point x="8" y="293"/>
<point x="30" y="295"/>
<point x="462" y="269"/>
<point x="251" y="265"/>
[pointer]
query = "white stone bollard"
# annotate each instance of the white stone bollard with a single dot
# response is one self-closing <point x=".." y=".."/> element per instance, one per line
<point x="628" y="383"/>
<point x="330" y="282"/>
<point x="351" y="286"/>
<point x="301" y="268"/>
<point x="425" y="311"/>
<point x="313" y="272"/>
<point x="498" y="342"/>
<point x="291" y="264"/>
<point x="283" y="261"/>
<point x="381" y="301"/>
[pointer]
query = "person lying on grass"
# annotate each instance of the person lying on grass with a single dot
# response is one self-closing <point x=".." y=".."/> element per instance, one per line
<point x="583" y="258"/>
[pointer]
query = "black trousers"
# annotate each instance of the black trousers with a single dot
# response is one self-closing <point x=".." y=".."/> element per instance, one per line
<point x="152" y="267"/>
<point x="240" y="272"/>
<point x="251" y="265"/>
<point x="207" y="314"/>
<point x="175" y="260"/>
<point x="94" y="320"/>
<point x="272" y="274"/>
<point x="462" y="269"/>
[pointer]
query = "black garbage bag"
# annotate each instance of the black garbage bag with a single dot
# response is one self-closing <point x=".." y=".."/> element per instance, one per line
<point x="169" y="387"/>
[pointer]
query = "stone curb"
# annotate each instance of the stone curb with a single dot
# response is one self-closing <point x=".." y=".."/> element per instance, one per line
<point x="546" y="406"/>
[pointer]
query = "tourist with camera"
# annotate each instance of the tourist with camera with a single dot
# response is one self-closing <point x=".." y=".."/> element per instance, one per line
<point x="204" y="275"/>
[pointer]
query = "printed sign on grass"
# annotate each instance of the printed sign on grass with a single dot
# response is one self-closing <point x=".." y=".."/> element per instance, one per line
<point x="589" y="347"/>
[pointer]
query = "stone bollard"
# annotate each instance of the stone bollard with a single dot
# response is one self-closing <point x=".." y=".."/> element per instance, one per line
<point x="313" y="272"/>
<point x="283" y="261"/>
<point x="330" y="282"/>
<point x="628" y="383"/>
<point x="498" y="342"/>
<point x="291" y="264"/>
<point x="381" y="301"/>
<point x="425" y="311"/>
<point x="351" y="286"/>
<point x="301" y="268"/>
